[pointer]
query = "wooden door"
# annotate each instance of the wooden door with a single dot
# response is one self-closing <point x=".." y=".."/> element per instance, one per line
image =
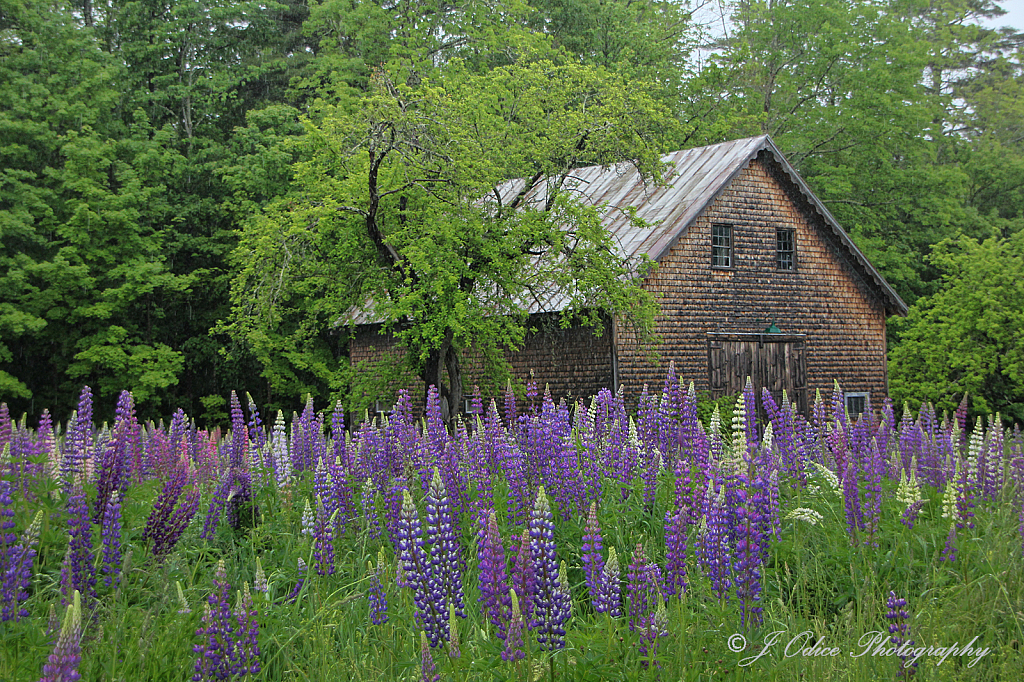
<point x="773" y="361"/>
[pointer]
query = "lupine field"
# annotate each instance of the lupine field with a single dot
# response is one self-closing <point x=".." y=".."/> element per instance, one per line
<point x="534" y="541"/>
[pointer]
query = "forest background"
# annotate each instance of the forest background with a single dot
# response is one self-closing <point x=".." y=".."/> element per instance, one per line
<point x="145" y="145"/>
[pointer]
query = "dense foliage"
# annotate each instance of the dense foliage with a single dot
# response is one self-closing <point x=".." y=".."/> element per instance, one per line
<point x="537" y="542"/>
<point x="143" y="143"/>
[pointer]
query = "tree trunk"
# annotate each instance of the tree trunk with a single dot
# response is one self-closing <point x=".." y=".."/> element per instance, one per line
<point x="442" y="360"/>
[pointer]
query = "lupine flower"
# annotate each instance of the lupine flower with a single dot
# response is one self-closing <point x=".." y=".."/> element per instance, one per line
<point x="804" y="514"/>
<point x="609" y="600"/>
<point x="323" y="546"/>
<point x="16" y="571"/>
<point x="112" y="540"/>
<point x="548" y="616"/>
<point x="308" y="520"/>
<point x="642" y="589"/>
<point x="524" y="578"/>
<point x="427" y="667"/>
<point x="899" y="628"/>
<point x="453" y="634"/>
<point x="714" y="548"/>
<point x="373" y="529"/>
<point x="851" y="499"/>
<point x="591" y="551"/>
<point x="217" y="502"/>
<point x="494" y="585"/>
<point x="185" y="608"/>
<point x="445" y="551"/>
<point x="62" y="664"/>
<point x="513" y="650"/>
<point x="378" y="600"/>
<point x="909" y="516"/>
<point x="259" y="580"/>
<point x="419" y="573"/>
<point x="949" y="551"/>
<point x="81" y="572"/>
<point x="675" y="552"/>
<point x="748" y="557"/>
<point x="245" y="654"/>
<point x="217" y="631"/>
<point x="294" y="594"/>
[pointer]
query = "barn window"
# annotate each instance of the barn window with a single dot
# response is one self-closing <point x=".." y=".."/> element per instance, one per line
<point x="856" y="404"/>
<point x="785" y="250"/>
<point x="383" y="407"/>
<point x="721" y="246"/>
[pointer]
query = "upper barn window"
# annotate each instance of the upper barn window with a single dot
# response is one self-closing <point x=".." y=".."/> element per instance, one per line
<point x="721" y="246"/>
<point x="785" y="250"/>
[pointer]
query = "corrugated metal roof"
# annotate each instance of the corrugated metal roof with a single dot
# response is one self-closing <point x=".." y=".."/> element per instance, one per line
<point x="694" y="178"/>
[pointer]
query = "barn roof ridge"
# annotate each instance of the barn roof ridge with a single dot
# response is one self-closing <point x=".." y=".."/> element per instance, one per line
<point x="674" y="204"/>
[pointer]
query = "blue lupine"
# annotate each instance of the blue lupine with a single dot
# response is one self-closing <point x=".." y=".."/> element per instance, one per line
<point x="494" y="586"/>
<point x="899" y="629"/>
<point x="609" y="599"/>
<point x="62" y="664"/>
<point x="111" y="534"/>
<point x="418" y="571"/>
<point x="445" y="551"/>
<point x="323" y="540"/>
<point x="591" y="552"/>
<point x="548" y="615"/>
<point x="375" y="594"/>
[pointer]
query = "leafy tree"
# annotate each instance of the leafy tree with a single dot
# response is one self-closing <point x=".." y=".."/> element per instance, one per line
<point x="967" y="336"/>
<point x="398" y="213"/>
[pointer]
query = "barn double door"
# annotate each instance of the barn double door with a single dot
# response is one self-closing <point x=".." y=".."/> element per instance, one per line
<point x="773" y="361"/>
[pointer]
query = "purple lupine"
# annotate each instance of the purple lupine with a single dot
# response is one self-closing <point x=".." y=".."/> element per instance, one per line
<point x="16" y="571"/>
<point x="427" y="667"/>
<point x="675" y="552"/>
<point x="375" y="594"/>
<point x="899" y="628"/>
<point x="851" y="498"/>
<point x="368" y="502"/>
<point x="548" y="617"/>
<point x="418" y="572"/>
<point x="245" y="648"/>
<point x="524" y="578"/>
<point x="949" y="550"/>
<point x="217" y="502"/>
<point x="217" y="632"/>
<point x="909" y="516"/>
<point x="713" y="547"/>
<point x="78" y="443"/>
<point x="513" y="650"/>
<point x="642" y="590"/>
<point x="81" y="574"/>
<point x="445" y="551"/>
<point x="111" y="534"/>
<point x="297" y="589"/>
<point x="323" y="540"/>
<point x="494" y="587"/>
<point x="609" y="599"/>
<point x="62" y="664"/>
<point x="874" y="469"/>
<point x="748" y="554"/>
<point x="591" y="552"/>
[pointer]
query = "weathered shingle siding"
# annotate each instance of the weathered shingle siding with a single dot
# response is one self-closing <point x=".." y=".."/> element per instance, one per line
<point x="572" y="363"/>
<point x="824" y="298"/>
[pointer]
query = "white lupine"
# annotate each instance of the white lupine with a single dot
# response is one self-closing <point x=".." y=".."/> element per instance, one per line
<point x="949" y="508"/>
<point x="804" y="514"/>
<point x="279" y="452"/>
<point x="829" y="476"/>
<point x="307" y="520"/>
<point x="909" y="491"/>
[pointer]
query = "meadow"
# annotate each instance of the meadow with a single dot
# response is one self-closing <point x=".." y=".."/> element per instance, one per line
<point x="532" y="541"/>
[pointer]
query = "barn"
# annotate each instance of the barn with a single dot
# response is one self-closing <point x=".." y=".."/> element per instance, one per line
<point x="755" y="278"/>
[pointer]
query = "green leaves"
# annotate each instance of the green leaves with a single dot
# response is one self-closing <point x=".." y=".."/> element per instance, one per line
<point x="966" y="337"/>
<point x="394" y="213"/>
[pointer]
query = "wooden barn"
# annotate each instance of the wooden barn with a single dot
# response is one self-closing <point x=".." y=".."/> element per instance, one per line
<point x="755" y="278"/>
